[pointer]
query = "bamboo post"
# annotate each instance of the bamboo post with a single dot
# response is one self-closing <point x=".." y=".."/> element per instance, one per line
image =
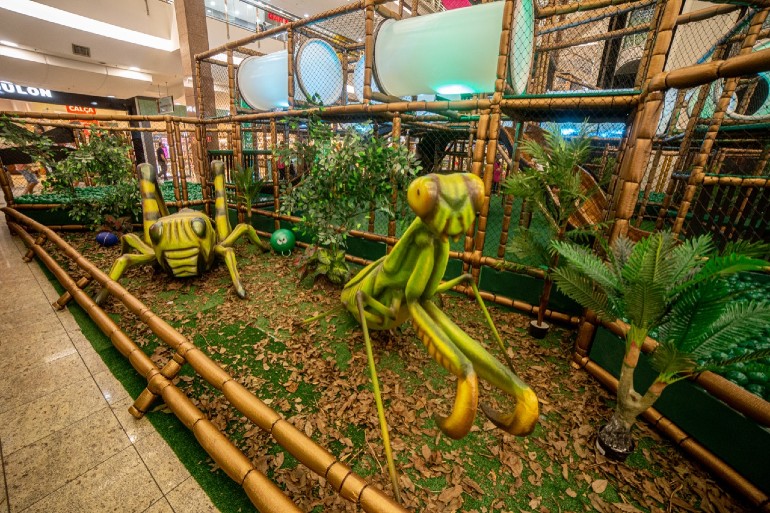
<point x="30" y="252"/>
<point x="636" y="156"/>
<point x="290" y="64"/>
<point x="172" y="157"/>
<point x="415" y="7"/>
<point x="699" y="164"/>
<point x="65" y="298"/>
<point x="395" y="137"/>
<point x="644" y="61"/>
<point x="182" y="162"/>
<point x="273" y="144"/>
<point x="368" y="49"/>
<point x="492" y="131"/>
<point x="477" y="168"/>
<point x="236" y="136"/>
<point x="648" y="188"/>
<point x="508" y="198"/>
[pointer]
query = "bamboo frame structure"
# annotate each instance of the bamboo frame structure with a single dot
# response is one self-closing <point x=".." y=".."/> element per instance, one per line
<point x="642" y="155"/>
<point x="637" y="153"/>
<point x="697" y="173"/>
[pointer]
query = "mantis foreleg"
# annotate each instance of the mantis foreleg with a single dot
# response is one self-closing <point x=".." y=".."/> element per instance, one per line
<point x="448" y="285"/>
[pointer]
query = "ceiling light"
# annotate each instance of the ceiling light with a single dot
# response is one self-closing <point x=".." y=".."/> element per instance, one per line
<point x="9" y="43"/>
<point x="306" y="15"/>
<point x="94" y="103"/>
<point x="133" y="68"/>
<point x="236" y="13"/>
<point x="75" y="21"/>
<point x="110" y="96"/>
<point x="212" y="3"/>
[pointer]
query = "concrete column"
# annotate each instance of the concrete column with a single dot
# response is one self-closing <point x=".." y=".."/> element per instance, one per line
<point x="194" y="39"/>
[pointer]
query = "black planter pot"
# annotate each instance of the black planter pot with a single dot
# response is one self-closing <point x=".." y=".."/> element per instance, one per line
<point x="610" y="450"/>
<point x="538" y="330"/>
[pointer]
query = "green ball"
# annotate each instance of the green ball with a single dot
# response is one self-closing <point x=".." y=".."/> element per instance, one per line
<point x="282" y="240"/>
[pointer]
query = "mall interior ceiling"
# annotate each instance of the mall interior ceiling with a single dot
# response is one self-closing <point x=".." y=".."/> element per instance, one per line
<point x="125" y="48"/>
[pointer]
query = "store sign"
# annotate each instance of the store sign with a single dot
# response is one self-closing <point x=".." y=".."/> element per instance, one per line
<point x="19" y="90"/>
<point x="277" y="19"/>
<point x="74" y="109"/>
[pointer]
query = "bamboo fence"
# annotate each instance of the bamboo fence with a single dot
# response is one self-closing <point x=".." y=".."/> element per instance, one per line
<point x="265" y="495"/>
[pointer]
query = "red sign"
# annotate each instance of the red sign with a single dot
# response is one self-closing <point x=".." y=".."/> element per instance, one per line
<point x="277" y="18"/>
<point x="74" y="109"/>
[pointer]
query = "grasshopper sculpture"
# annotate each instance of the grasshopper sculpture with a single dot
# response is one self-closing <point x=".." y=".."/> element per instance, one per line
<point x="186" y="243"/>
<point x="401" y="286"/>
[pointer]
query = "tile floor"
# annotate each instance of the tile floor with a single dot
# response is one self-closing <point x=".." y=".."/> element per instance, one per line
<point x="67" y="441"/>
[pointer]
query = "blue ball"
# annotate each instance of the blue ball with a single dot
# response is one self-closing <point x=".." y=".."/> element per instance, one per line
<point x="107" y="238"/>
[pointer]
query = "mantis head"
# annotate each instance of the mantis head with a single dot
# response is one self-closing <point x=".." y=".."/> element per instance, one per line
<point x="447" y="204"/>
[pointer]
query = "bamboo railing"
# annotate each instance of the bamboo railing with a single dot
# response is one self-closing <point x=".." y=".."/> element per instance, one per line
<point x="264" y="494"/>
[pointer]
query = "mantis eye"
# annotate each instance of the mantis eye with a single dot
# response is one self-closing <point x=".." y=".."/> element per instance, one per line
<point x="156" y="232"/>
<point x="199" y="227"/>
<point x="422" y="195"/>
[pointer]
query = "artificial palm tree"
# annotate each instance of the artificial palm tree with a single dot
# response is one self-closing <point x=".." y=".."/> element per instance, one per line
<point x="676" y="289"/>
<point x="555" y="191"/>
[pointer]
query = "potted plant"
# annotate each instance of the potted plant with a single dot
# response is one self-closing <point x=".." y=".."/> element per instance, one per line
<point x="554" y="190"/>
<point x="347" y="174"/>
<point x="677" y="291"/>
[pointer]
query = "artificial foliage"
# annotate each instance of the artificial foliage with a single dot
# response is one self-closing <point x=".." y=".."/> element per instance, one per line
<point x="38" y="147"/>
<point x="554" y="191"/>
<point x="248" y="187"/>
<point x="346" y="175"/>
<point x="102" y="161"/>
<point x="680" y="292"/>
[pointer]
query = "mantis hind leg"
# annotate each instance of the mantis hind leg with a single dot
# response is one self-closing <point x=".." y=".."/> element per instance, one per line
<point x="522" y="420"/>
<point x="449" y="356"/>
<point x="378" y="397"/>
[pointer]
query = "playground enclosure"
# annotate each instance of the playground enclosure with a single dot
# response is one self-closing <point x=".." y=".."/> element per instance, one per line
<point x="677" y="104"/>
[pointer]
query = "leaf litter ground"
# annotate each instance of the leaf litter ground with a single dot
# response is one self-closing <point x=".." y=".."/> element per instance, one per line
<point x="317" y="378"/>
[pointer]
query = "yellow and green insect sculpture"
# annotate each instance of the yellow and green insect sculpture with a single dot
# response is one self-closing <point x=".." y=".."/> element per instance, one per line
<point x="401" y="285"/>
<point x="184" y="244"/>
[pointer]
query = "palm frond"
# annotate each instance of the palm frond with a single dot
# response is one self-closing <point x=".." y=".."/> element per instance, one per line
<point x="692" y="315"/>
<point x="587" y="263"/>
<point x="738" y="322"/>
<point x="580" y="288"/>
<point x="718" y="365"/>
<point x="529" y="247"/>
<point x="720" y="266"/>
<point x="645" y="303"/>
<point x="620" y="251"/>
<point x="755" y="249"/>
<point x="689" y="256"/>
<point x="669" y="361"/>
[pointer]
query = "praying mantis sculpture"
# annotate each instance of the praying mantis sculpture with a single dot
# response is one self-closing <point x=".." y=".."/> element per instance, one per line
<point x="401" y="286"/>
<point x="185" y="243"/>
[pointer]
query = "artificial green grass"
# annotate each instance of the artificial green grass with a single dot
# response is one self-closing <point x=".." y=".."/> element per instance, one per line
<point x="294" y="371"/>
